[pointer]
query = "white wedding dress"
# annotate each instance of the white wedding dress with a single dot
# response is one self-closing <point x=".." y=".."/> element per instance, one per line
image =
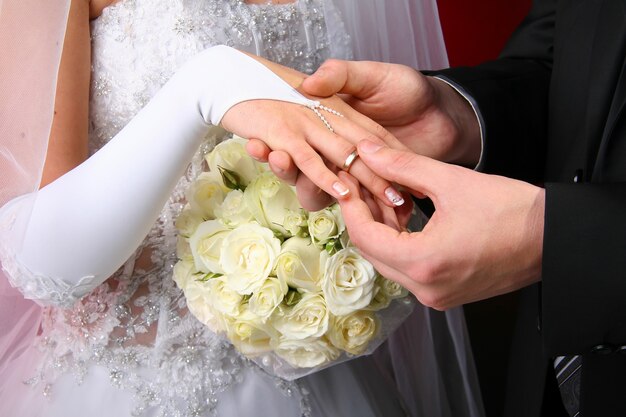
<point x="129" y="347"/>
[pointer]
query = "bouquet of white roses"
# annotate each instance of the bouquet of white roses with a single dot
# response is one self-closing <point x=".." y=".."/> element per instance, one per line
<point x="283" y="285"/>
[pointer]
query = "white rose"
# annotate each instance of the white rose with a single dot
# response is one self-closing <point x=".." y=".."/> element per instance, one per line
<point x="306" y="353"/>
<point x="265" y="299"/>
<point x="380" y="299"/>
<point x="206" y="245"/>
<point x="391" y="288"/>
<point x="222" y="298"/>
<point x="206" y="193"/>
<point x="384" y="292"/>
<point x="183" y="272"/>
<point x="269" y="199"/>
<point x="296" y="223"/>
<point x="299" y="264"/>
<point x="248" y="256"/>
<point x="326" y="225"/>
<point x="248" y="334"/>
<point x="183" y="250"/>
<point x="188" y="221"/>
<point x="348" y="282"/>
<point x="231" y="154"/>
<point x="233" y="211"/>
<point x="354" y="331"/>
<point x="198" y="298"/>
<point x="308" y="318"/>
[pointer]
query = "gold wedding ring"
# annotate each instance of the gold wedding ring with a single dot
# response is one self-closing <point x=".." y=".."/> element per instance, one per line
<point x="350" y="160"/>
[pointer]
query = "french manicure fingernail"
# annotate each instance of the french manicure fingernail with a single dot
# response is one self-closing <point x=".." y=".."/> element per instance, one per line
<point x="368" y="147"/>
<point x="341" y="189"/>
<point x="394" y="196"/>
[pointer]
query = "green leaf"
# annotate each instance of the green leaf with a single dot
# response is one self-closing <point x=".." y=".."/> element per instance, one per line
<point x="231" y="179"/>
<point x="333" y="246"/>
<point x="207" y="276"/>
<point x="292" y="298"/>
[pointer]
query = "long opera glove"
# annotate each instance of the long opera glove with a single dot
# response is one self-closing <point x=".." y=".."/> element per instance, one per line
<point x="82" y="227"/>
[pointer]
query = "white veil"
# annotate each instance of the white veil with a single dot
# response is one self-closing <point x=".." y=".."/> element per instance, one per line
<point x="400" y="31"/>
<point x="31" y="40"/>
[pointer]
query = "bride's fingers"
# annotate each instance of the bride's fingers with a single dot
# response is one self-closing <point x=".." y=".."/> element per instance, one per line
<point x="339" y="151"/>
<point x="279" y="162"/>
<point x="282" y="166"/>
<point x="257" y="149"/>
<point x="311" y="197"/>
<point x="311" y="164"/>
<point x="379" y="187"/>
<point x="372" y="204"/>
<point x="405" y="211"/>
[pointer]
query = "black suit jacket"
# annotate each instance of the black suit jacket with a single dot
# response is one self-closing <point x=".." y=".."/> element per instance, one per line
<point x="553" y="107"/>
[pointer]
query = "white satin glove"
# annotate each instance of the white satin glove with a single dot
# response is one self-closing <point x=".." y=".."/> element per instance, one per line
<point x="87" y="223"/>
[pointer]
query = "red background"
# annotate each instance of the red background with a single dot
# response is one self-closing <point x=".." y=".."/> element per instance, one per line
<point x="476" y="31"/>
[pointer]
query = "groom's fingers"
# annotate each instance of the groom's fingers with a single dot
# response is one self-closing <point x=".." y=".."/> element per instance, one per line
<point x="385" y="248"/>
<point x="329" y="79"/>
<point x="375" y="239"/>
<point x="346" y="77"/>
<point x="418" y="173"/>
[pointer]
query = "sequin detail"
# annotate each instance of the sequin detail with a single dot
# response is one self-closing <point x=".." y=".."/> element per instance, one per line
<point x="136" y="324"/>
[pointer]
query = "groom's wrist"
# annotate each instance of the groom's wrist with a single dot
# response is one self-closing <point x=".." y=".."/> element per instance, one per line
<point x="464" y="111"/>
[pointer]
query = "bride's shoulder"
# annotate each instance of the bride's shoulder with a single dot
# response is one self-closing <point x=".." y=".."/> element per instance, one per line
<point x="96" y="7"/>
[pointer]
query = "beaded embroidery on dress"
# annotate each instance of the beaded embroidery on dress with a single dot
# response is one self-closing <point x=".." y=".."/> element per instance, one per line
<point x="136" y="325"/>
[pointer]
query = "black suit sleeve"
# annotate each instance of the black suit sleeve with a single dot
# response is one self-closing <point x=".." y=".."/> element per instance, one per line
<point x="584" y="258"/>
<point x="584" y="267"/>
<point x="512" y="95"/>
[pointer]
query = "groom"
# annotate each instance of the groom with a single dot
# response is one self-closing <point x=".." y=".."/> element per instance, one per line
<point x="549" y="112"/>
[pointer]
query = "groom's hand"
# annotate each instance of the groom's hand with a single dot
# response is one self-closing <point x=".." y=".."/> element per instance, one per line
<point x="424" y="113"/>
<point x="484" y="239"/>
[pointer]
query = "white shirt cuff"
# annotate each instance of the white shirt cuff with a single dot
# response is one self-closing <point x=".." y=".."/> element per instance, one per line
<point x="459" y="89"/>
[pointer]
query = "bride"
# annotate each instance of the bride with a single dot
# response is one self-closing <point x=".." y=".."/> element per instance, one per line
<point x="114" y="337"/>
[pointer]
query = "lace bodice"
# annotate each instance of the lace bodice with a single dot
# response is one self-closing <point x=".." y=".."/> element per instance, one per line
<point x="136" y="324"/>
<point x="138" y="44"/>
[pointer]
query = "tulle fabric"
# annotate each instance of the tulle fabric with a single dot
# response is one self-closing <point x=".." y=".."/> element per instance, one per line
<point x="28" y="75"/>
<point x="400" y="31"/>
<point x="441" y="379"/>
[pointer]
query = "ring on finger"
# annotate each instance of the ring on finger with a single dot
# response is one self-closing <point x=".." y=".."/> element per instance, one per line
<point x="350" y="160"/>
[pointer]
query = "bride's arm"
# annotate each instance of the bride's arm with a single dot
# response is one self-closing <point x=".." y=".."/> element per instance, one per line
<point x="86" y="223"/>
<point x="67" y="146"/>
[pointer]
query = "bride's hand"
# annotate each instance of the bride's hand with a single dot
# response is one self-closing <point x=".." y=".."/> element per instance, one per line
<point x="300" y="135"/>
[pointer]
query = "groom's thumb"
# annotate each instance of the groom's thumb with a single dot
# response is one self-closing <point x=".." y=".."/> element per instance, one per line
<point x="403" y="167"/>
<point x="329" y="79"/>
